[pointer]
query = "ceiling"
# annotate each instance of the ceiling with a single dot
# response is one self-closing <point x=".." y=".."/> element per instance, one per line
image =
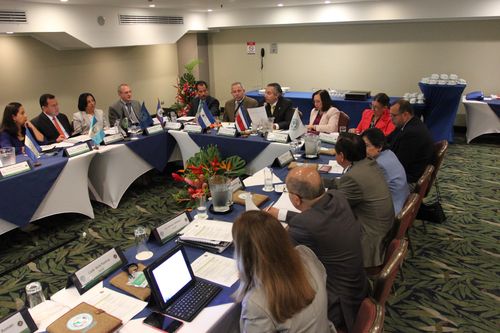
<point x="196" y="5"/>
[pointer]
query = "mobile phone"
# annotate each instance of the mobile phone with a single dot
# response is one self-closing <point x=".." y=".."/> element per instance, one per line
<point x="162" y="322"/>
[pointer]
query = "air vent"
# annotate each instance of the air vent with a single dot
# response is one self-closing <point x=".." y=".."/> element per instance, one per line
<point x="140" y="19"/>
<point x="12" y="16"/>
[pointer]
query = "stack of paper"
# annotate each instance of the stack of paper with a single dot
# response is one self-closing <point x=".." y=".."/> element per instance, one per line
<point x="211" y="235"/>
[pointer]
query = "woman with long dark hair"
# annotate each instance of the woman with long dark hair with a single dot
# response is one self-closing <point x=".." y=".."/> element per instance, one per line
<point x="14" y="125"/>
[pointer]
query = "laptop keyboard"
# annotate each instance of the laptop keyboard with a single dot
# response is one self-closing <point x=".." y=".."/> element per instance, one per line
<point x="193" y="300"/>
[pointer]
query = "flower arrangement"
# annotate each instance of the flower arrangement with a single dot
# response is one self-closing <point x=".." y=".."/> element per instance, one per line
<point x="199" y="168"/>
<point x="186" y="89"/>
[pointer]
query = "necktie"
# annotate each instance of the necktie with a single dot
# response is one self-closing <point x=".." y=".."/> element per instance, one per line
<point x="59" y="129"/>
<point x="272" y="109"/>
<point x="131" y="113"/>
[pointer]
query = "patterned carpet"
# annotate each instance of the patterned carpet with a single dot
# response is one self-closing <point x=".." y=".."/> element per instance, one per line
<point x="452" y="282"/>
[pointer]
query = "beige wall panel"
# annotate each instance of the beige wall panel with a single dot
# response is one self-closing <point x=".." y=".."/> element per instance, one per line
<point x="29" y="68"/>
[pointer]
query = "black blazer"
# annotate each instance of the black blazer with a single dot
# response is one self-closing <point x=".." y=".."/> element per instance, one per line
<point x="283" y="112"/>
<point x="47" y="128"/>
<point x="212" y="103"/>
<point x="414" y="147"/>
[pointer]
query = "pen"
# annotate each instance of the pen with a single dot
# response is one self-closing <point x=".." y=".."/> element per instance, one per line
<point x="268" y="207"/>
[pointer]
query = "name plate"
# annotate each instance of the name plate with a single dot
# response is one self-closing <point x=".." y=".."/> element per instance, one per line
<point x="173" y="125"/>
<point x="15" y="169"/>
<point x="113" y="138"/>
<point x="236" y="184"/>
<point x="277" y="137"/>
<point x="169" y="229"/>
<point x="193" y="128"/>
<point x="285" y="159"/>
<point x="18" y="322"/>
<point x="91" y="274"/>
<point x="227" y="131"/>
<point x="153" y="129"/>
<point x="328" y="138"/>
<point x="77" y="150"/>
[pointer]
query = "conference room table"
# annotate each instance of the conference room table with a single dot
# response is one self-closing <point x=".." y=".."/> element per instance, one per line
<point x="303" y="101"/>
<point x="54" y="187"/>
<point x="256" y="151"/>
<point x="482" y="117"/>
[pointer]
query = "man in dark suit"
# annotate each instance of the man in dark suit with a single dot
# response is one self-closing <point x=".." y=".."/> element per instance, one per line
<point x="277" y="106"/>
<point x="240" y="100"/>
<point x="364" y="186"/>
<point x="202" y="96"/>
<point x="327" y="226"/>
<point x="54" y="126"/>
<point x="411" y="141"/>
<point x="124" y="107"/>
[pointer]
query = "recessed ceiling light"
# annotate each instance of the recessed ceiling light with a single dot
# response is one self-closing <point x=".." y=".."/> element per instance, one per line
<point x="10" y="32"/>
<point x="327" y="2"/>
<point x="63" y="0"/>
<point x="280" y="5"/>
<point x="210" y="10"/>
<point x="152" y="5"/>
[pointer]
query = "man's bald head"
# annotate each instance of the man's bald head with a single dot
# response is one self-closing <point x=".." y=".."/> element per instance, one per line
<point x="305" y="182"/>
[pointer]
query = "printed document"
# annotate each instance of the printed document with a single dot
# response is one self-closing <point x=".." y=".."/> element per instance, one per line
<point x="216" y="268"/>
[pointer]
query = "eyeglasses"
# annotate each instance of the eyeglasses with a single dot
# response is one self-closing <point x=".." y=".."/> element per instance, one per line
<point x="394" y="115"/>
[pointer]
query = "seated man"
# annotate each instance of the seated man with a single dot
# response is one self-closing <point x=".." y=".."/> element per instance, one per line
<point x="411" y="141"/>
<point x="277" y="106"/>
<point x="364" y="186"/>
<point x="125" y="106"/>
<point x="240" y="100"/>
<point x="202" y="96"/>
<point x="53" y="125"/>
<point x="328" y="227"/>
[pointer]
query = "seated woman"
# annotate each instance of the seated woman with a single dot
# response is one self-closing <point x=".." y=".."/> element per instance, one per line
<point x="378" y="116"/>
<point x="14" y="125"/>
<point x="82" y="119"/>
<point x="282" y="288"/>
<point x="324" y="117"/>
<point x="394" y="173"/>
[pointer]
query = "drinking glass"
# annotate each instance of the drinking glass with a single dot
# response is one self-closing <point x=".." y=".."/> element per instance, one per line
<point x="268" y="180"/>
<point x="201" y="207"/>
<point x="219" y="189"/>
<point x="34" y="294"/>
<point x="173" y="117"/>
<point x="141" y="240"/>
<point x="312" y="145"/>
<point x="7" y="156"/>
<point x="342" y="129"/>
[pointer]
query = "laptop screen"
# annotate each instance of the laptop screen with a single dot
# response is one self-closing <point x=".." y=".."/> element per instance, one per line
<point x="171" y="275"/>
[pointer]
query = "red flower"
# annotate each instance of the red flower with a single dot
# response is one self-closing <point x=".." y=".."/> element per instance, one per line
<point x="177" y="178"/>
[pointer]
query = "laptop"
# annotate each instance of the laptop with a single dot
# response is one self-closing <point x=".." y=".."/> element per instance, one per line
<point x="174" y="287"/>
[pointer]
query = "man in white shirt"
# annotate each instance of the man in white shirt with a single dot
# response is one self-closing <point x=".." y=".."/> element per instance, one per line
<point x="277" y="106"/>
<point x="125" y="106"/>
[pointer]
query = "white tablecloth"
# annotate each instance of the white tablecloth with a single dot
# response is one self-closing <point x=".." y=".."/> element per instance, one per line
<point x="480" y="118"/>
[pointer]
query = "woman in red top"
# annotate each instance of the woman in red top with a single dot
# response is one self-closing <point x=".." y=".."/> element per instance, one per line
<point x="378" y="116"/>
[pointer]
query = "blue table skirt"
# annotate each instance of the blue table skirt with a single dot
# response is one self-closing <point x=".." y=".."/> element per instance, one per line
<point x="247" y="148"/>
<point x="441" y="108"/>
<point x="303" y="100"/>
<point x="495" y="106"/>
<point x="26" y="191"/>
<point x="154" y="149"/>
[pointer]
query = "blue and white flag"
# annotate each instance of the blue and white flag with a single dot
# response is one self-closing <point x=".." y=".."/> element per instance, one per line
<point x="205" y="117"/>
<point x="159" y="112"/>
<point x="32" y="149"/>
<point x="296" y="128"/>
<point x="242" y="120"/>
<point x="96" y="131"/>
<point x="145" y="119"/>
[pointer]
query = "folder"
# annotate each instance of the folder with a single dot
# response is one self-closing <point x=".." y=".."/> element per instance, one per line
<point x="120" y="282"/>
<point x="258" y="199"/>
<point x="85" y="318"/>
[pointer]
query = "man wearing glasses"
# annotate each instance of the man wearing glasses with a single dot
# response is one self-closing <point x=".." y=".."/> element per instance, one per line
<point x="411" y="141"/>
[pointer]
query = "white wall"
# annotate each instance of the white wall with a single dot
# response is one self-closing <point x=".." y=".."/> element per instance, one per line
<point x="30" y="68"/>
<point x="388" y="57"/>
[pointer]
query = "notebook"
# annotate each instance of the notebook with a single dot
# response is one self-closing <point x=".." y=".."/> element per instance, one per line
<point x="174" y="287"/>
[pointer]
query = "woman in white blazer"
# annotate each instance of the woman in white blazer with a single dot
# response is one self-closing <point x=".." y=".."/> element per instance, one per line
<point x="81" y="119"/>
<point x="324" y="117"/>
<point x="282" y="288"/>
